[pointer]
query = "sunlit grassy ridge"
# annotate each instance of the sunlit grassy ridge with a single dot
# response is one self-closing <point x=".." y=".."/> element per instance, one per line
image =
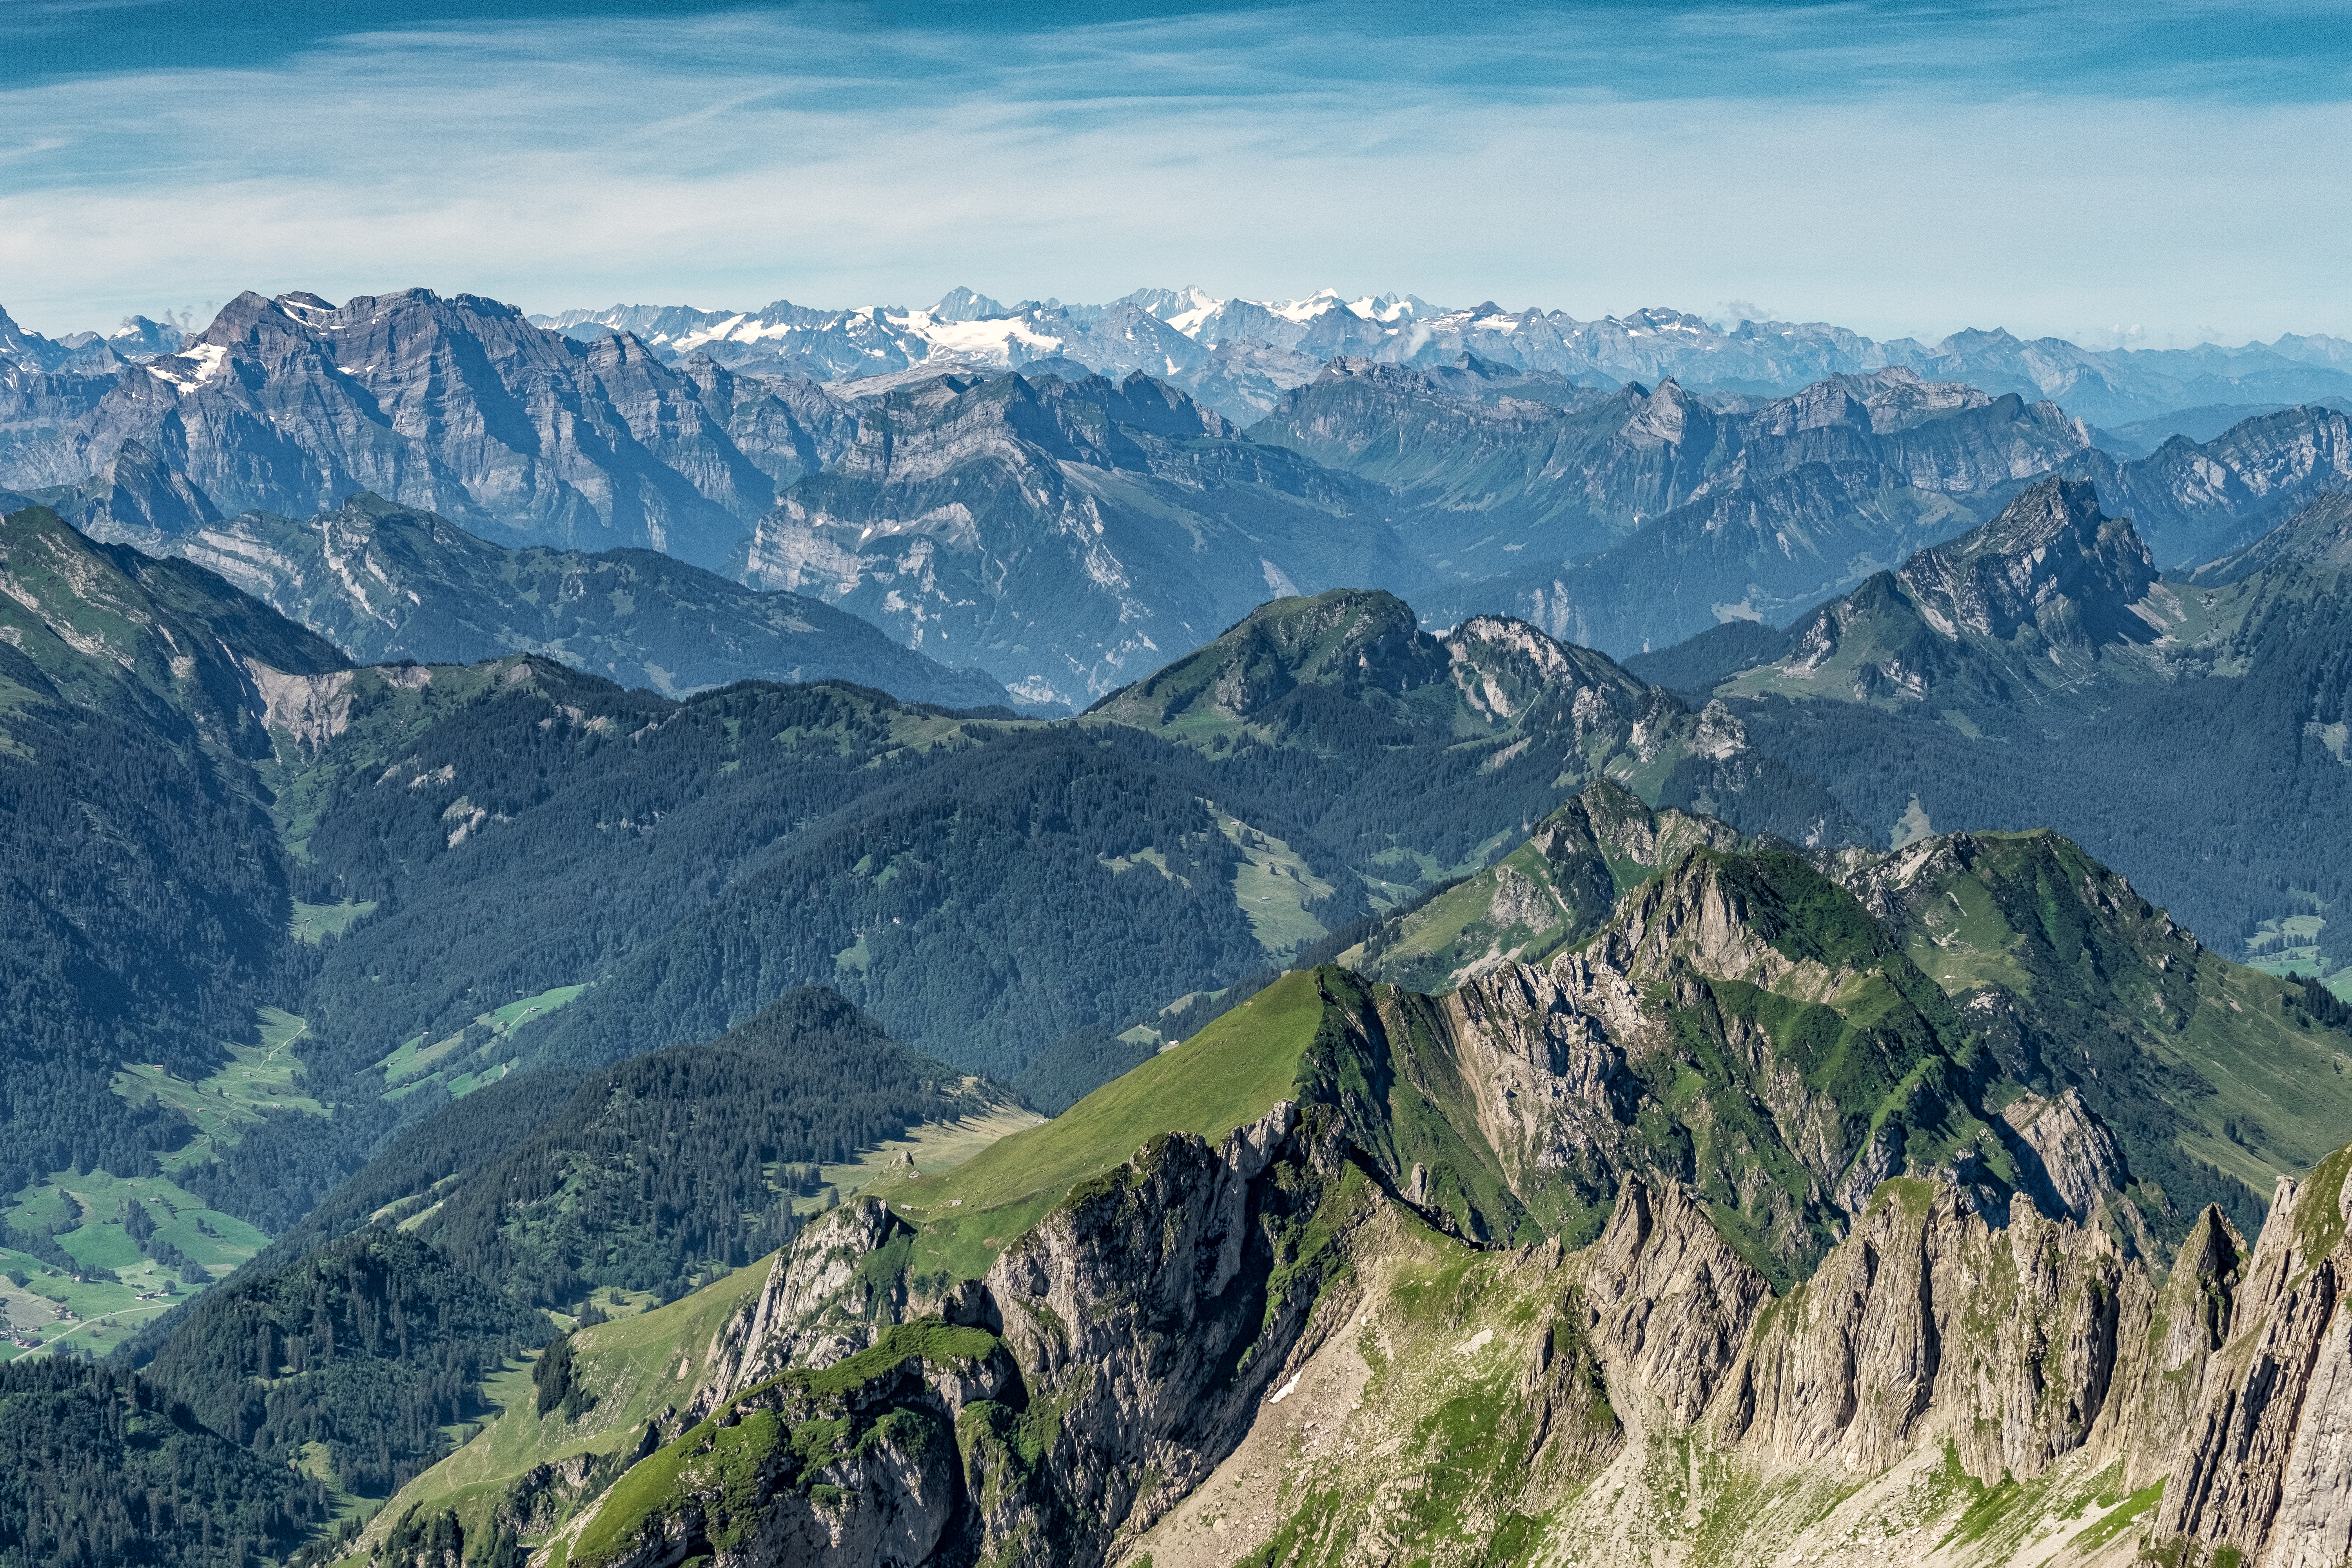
<point x="1227" y="1075"/>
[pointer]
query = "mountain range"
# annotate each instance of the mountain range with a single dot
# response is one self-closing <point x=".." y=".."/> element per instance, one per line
<point x="1067" y="527"/>
<point x="595" y="993"/>
<point x="1178" y="335"/>
<point x="623" y="955"/>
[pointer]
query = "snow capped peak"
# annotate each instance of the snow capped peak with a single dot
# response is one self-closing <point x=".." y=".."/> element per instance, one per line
<point x="1383" y="308"/>
<point x="188" y="371"/>
<point x="1305" y="310"/>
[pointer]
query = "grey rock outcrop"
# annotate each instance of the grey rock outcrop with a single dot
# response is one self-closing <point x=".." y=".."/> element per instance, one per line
<point x="2264" y="1464"/>
<point x="1124" y="1307"/>
<point x="2079" y="1163"/>
<point x="813" y="1309"/>
<point x="1668" y="1300"/>
<point x="1137" y="1314"/>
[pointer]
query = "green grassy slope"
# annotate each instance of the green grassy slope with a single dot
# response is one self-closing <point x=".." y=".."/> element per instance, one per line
<point x="2213" y="1074"/>
<point x="1227" y="1075"/>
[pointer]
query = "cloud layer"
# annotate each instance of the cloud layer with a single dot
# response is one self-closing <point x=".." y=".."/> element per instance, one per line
<point x="1894" y="170"/>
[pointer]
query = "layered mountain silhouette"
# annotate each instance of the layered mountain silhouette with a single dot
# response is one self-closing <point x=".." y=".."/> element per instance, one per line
<point x="1068" y="536"/>
<point x="389" y="584"/>
<point x="1638" y="517"/>
<point x="1623" y="483"/>
<point x="459" y="405"/>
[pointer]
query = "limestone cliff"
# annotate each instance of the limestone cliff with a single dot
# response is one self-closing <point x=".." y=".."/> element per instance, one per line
<point x="1111" y="1356"/>
<point x="2263" y="1470"/>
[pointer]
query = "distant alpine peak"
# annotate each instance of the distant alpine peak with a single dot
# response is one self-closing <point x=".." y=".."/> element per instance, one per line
<point x="2050" y="511"/>
<point x="2051" y="545"/>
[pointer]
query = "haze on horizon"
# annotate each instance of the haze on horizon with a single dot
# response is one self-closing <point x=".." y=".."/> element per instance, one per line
<point x="2148" y="174"/>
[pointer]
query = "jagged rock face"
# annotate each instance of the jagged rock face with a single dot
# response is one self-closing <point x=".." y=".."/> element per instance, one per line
<point x="1559" y="887"/>
<point x="2161" y="1392"/>
<point x="788" y="425"/>
<point x="1128" y="1306"/>
<point x="807" y="1312"/>
<point x="457" y="405"/>
<point x="2079" y="1163"/>
<point x="37" y="409"/>
<point x="1111" y="1356"/>
<point x="1061" y="534"/>
<point x="2264" y="1464"/>
<point x="1566" y="481"/>
<point x="1927" y="1320"/>
<point x="2049" y="560"/>
<point x="1690" y="1038"/>
<point x="2034" y="601"/>
<point x="1667" y="1301"/>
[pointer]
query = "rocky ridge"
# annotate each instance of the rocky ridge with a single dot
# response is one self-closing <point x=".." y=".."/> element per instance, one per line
<point x="1534" y="1298"/>
<point x="457" y="405"/>
<point x="1061" y="535"/>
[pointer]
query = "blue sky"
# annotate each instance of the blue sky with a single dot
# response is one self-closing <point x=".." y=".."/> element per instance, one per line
<point x="2151" y="172"/>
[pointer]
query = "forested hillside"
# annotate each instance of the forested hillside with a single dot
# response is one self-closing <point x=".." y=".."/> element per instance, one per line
<point x="104" y="1469"/>
<point x="678" y="1165"/>
<point x="361" y="1350"/>
<point x="354" y="1358"/>
<point x="143" y="926"/>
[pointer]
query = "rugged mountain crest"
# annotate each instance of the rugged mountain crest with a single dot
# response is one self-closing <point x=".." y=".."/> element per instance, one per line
<point x="1342" y="679"/>
<point x="455" y="405"/>
<point x="2015" y="614"/>
<point x="2259" y="1468"/>
<point x="1060" y="533"/>
<point x="2194" y="502"/>
<point x="1277" y="672"/>
<point x="1554" y="889"/>
<point x="1646" y="515"/>
<point x="2050" y="560"/>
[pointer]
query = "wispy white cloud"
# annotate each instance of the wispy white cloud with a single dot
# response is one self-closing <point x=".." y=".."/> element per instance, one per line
<point x="1836" y="160"/>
